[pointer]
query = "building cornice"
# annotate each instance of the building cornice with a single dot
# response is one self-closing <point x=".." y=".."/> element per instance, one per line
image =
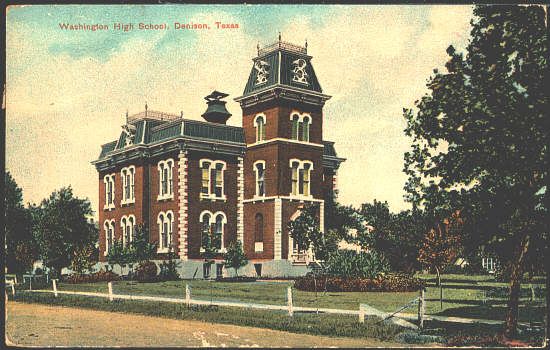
<point x="284" y="92"/>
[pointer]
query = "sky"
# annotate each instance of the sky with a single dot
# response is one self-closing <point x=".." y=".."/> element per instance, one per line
<point x="67" y="92"/>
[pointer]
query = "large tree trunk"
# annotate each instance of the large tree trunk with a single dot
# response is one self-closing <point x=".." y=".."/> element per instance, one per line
<point x="516" y="272"/>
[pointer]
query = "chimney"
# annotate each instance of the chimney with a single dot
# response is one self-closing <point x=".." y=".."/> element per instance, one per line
<point x="216" y="111"/>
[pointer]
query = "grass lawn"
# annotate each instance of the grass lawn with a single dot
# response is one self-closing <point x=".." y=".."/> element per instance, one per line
<point x="463" y="296"/>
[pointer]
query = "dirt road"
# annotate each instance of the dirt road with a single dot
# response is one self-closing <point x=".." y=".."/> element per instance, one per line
<point x="43" y="325"/>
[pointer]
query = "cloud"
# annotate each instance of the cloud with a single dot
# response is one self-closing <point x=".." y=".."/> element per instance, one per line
<point x="373" y="60"/>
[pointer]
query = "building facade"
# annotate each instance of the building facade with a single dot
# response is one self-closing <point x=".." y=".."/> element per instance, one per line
<point x="185" y="178"/>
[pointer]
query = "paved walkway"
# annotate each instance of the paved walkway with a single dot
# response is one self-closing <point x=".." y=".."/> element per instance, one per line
<point x="43" y="325"/>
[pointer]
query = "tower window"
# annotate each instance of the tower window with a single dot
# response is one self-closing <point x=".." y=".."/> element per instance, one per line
<point x="301" y="125"/>
<point x="212" y="178"/>
<point x="301" y="177"/>
<point x="305" y="129"/>
<point x="259" y="168"/>
<point x="259" y="124"/>
<point x="295" y="126"/>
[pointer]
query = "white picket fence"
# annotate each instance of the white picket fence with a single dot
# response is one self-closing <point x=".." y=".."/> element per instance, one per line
<point x="397" y="317"/>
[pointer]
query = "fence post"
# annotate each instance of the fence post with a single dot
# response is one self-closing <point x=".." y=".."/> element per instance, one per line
<point x="13" y="288"/>
<point x="289" y="301"/>
<point x="421" y="308"/>
<point x="361" y="313"/>
<point x="110" y="285"/>
<point x="54" y="281"/>
<point x="187" y="295"/>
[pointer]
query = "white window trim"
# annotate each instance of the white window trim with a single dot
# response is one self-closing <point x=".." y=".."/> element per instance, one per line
<point x="132" y="170"/>
<point x="108" y="225"/>
<point x="256" y="125"/>
<point x="169" y="163"/>
<point x="170" y="232"/>
<point x="301" y="166"/>
<point x="212" y="165"/>
<point x="257" y="189"/>
<point x="213" y="221"/>
<point x="127" y="218"/>
<point x="110" y="178"/>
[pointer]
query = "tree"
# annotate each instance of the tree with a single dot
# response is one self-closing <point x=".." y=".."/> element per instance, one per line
<point x="397" y="236"/>
<point x="118" y="254"/>
<point x="305" y="228"/>
<point x="84" y="258"/>
<point x="20" y="246"/>
<point x="60" y="227"/>
<point x="480" y="139"/>
<point x="139" y="248"/>
<point x="234" y="257"/>
<point x="442" y="246"/>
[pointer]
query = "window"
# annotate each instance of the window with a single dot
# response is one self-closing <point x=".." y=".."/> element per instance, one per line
<point x="127" y="223"/>
<point x="166" y="189"/>
<point x="305" y="129"/>
<point x="212" y="229"/>
<point x="301" y="177"/>
<point x="109" y="227"/>
<point x="259" y="169"/>
<point x="165" y="223"/>
<point x="127" y="174"/>
<point x="295" y="126"/>
<point x="301" y="123"/>
<point x="212" y="179"/>
<point x="109" y="181"/>
<point x="205" y="168"/>
<point x="259" y="228"/>
<point x="259" y="124"/>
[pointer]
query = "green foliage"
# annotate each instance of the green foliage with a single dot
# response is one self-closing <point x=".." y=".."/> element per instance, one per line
<point x="140" y="249"/>
<point x="84" y="258"/>
<point x="305" y="227"/>
<point x="21" y="249"/>
<point x="118" y="254"/>
<point x="60" y="227"/>
<point x="234" y="257"/>
<point x="480" y="140"/>
<point x="382" y="283"/>
<point x="348" y="263"/>
<point x="210" y="242"/>
<point x="146" y="271"/>
<point x="397" y="236"/>
<point x="169" y="267"/>
<point x="100" y="276"/>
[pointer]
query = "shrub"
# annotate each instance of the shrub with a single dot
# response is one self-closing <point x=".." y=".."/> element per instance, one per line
<point x="168" y="268"/>
<point x="411" y="337"/>
<point x="348" y="263"/>
<point x="236" y="279"/>
<point x="146" y="272"/>
<point x="100" y="276"/>
<point x="386" y="283"/>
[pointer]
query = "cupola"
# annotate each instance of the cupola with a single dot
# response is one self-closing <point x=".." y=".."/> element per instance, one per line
<point x="216" y="111"/>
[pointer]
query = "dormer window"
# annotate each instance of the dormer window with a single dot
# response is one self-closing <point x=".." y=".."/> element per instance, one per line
<point x="128" y="178"/>
<point x="300" y="75"/>
<point x="259" y="124"/>
<point x="166" y="188"/>
<point x="212" y="178"/>
<point x="262" y="71"/>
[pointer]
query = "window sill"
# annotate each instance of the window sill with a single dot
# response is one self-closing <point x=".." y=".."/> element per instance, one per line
<point x="212" y="198"/>
<point x="165" y="197"/>
<point x="109" y="207"/>
<point x="128" y="202"/>
<point x="163" y="250"/>
<point x="258" y="198"/>
<point x="300" y="197"/>
<point x="223" y="250"/>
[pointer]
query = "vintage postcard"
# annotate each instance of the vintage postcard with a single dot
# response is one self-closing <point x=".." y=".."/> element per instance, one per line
<point x="246" y="175"/>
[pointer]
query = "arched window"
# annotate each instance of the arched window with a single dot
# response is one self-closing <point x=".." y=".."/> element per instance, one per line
<point x="219" y="231"/>
<point x="125" y="237"/>
<point x="305" y="129"/>
<point x="109" y="181"/>
<point x="166" y="188"/>
<point x="295" y="126"/>
<point x="294" y="176"/>
<point x="259" y="228"/>
<point x="259" y="169"/>
<point x="259" y="124"/>
<point x="127" y="174"/>
<point x="109" y="228"/>
<point x="305" y="179"/>
<point x="205" y="169"/>
<point x="206" y="229"/>
<point x="165" y="223"/>
<point x="212" y="177"/>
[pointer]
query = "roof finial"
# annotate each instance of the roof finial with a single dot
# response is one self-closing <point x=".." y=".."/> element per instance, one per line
<point x="126" y="115"/>
<point x="181" y="114"/>
<point x="258" y="48"/>
<point x="279" y="36"/>
<point x="146" y="108"/>
<point x="306" y="45"/>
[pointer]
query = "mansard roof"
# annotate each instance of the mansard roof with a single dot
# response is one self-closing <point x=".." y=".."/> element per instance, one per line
<point x="330" y="157"/>
<point x="282" y="64"/>
<point x="150" y="130"/>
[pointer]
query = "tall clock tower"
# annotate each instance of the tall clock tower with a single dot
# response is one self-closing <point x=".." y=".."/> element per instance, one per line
<point x="285" y="165"/>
